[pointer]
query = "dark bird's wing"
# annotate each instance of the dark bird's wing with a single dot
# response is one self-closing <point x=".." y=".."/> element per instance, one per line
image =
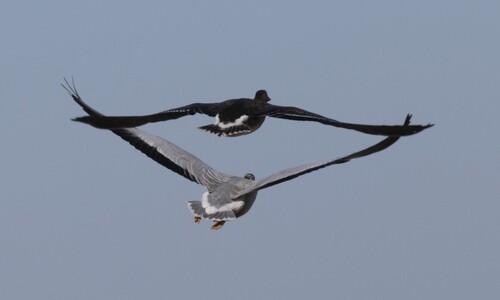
<point x="294" y="113"/>
<point x="292" y="173"/>
<point x="161" y="151"/>
<point x="112" y="122"/>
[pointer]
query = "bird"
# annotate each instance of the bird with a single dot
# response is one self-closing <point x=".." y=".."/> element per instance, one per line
<point x="237" y="117"/>
<point x="227" y="197"/>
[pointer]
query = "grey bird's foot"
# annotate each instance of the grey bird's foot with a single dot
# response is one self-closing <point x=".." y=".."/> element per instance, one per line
<point x="197" y="220"/>
<point x="217" y="225"/>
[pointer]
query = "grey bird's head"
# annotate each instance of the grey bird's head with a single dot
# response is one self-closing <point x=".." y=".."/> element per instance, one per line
<point x="249" y="176"/>
<point x="262" y="95"/>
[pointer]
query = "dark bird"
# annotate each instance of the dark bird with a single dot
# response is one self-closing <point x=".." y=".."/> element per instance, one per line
<point x="227" y="197"/>
<point x="237" y="117"/>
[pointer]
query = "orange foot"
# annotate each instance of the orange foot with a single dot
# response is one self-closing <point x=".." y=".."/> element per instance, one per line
<point x="217" y="225"/>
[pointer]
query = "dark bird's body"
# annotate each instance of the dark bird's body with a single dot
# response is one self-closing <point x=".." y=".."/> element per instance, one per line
<point x="237" y="117"/>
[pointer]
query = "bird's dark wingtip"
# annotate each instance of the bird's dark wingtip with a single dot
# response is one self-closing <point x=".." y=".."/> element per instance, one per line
<point x="421" y="127"/>
<point x="426" y="126"/>
<point x="73" y="92"/>
<point x="81" y="119"/>
<point x="70" y="87"/>
<point x="94" y="121"/>
<point x="407" y="120"/>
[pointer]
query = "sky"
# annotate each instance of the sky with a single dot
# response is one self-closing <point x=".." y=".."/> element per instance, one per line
<point x="83" y="215"/>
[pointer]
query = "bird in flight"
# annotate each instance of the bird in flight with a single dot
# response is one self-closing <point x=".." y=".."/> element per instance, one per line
<point x="236" y="117"/>
<point x="227" y="197"/>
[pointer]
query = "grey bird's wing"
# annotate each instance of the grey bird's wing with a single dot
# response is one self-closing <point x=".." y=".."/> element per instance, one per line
<point x="292" y="173"/>
<point x="298" y="114"/>
<point x="161" y="150"/>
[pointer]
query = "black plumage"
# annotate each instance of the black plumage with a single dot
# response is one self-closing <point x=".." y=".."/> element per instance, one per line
<point x="237" y="117"/>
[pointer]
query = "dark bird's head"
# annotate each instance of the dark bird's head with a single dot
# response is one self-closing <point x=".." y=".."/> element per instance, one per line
<point x="249" y="176"/>
<point x="262" y="95"/>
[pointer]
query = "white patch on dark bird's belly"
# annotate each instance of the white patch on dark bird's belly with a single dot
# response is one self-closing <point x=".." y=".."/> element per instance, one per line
<point x="223" y="125"/>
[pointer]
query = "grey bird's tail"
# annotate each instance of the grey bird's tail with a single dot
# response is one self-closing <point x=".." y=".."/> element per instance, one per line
<point x="196" y="208"/>
<point x="198" y="211"/>
<point x="226" y="215"/>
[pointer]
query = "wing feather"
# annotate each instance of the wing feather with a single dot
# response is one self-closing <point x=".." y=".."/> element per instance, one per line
<point x="292" y="173"/>
<point x="112" y="122"/>
<point x="161" y="150"/>
<point x="298" y="114"/>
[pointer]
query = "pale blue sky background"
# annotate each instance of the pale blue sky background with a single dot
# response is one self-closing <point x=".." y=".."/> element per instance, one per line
<point x="83" y="215"/>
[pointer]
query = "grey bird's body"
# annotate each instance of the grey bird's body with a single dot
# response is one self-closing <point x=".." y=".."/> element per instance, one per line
<point x="227" y="197"/>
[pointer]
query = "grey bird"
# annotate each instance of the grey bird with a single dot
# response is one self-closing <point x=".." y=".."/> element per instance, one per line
<point x="236" y="117"/>
<point x="227" y="197"/>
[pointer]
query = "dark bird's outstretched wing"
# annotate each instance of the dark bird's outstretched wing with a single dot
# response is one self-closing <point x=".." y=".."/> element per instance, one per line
<point x="294" y="113"/>
<point x="160" y="150"/>
<point x="292" y="173"/>
<point x="112" y="122"/>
